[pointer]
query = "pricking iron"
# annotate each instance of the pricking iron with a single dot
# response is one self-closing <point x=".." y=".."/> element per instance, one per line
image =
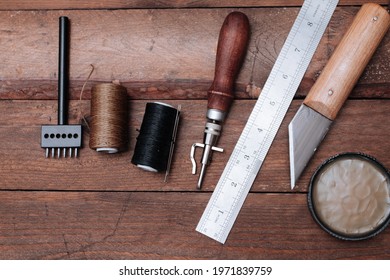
<point x="57" y="139"/>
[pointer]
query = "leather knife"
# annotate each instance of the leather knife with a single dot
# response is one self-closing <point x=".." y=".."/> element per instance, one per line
<point x="324" y="100"/>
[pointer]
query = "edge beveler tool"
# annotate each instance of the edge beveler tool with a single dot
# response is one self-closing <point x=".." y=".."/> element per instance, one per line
<point x="232" y="43"/>
<point x="57" y="139"/>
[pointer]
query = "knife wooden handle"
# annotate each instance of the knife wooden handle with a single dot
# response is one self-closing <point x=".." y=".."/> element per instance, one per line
<point x="348" y="61"/>
<point x="232" y="43"/>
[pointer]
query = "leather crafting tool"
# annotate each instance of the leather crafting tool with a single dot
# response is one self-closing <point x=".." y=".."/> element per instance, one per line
<point x="232" y="43"/>
<point x="320" y="107"/>
<point x="62" y="137"/>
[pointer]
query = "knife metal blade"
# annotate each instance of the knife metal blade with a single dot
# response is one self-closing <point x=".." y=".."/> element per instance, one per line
<point x="305" y="132"/>
<point x="339" y="76"/>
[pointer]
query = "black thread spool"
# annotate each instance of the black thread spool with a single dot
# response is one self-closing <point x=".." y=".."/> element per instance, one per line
<point x="109" y="118"/>
<point x="156" y="137"/>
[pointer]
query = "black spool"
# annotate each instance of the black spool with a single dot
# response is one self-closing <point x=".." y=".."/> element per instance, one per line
<point x="156" y="137"/>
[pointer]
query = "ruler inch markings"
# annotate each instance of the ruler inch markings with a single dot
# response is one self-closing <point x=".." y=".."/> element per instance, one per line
<point x="266" y="118"/>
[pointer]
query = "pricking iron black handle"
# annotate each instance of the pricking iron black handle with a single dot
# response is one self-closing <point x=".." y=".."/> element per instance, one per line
<point x="63" y="70"/>
<point x="62" y="139"/>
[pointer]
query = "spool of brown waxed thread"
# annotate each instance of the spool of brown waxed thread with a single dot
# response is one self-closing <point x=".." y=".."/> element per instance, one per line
<point x="109" y="118"/>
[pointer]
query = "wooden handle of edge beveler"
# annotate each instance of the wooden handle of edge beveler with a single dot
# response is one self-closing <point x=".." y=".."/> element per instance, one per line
<point x="348" y="61"/>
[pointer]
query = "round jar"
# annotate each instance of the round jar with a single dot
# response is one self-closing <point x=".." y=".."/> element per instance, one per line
<point x="349" y="196"/>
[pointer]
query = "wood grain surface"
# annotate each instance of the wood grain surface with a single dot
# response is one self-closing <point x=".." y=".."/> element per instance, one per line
<point x="137" y="225"/>
<point x="149" y="4"/>
<point x="160" y="53"/>
<point x="25" y="167"/>
<point x="101" y="206"/>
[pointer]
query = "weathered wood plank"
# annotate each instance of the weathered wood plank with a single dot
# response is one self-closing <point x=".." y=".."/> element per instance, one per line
<point x="144" y="225"/>
<point x="120" y="4"/>
<point x="361" y="126"/>
<point x="101" y="206"/>
<point x="178" y="89"/>
<point x="159" y="53"/>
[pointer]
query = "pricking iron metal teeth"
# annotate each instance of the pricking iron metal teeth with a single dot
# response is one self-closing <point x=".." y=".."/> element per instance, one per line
<point x="62" y="139"/>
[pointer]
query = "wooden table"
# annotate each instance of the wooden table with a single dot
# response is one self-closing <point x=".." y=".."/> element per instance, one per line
<point x="101" y="206"/>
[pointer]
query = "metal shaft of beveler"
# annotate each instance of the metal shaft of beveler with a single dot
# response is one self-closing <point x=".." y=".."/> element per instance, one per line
<point x="63" y="70"/>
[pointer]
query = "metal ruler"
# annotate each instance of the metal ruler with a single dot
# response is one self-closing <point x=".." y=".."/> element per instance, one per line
<point x="265" y="119"/>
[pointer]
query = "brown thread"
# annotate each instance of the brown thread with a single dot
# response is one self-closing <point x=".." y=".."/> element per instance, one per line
<point x="109" y="118"/>
<point x="83" y="119"/>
